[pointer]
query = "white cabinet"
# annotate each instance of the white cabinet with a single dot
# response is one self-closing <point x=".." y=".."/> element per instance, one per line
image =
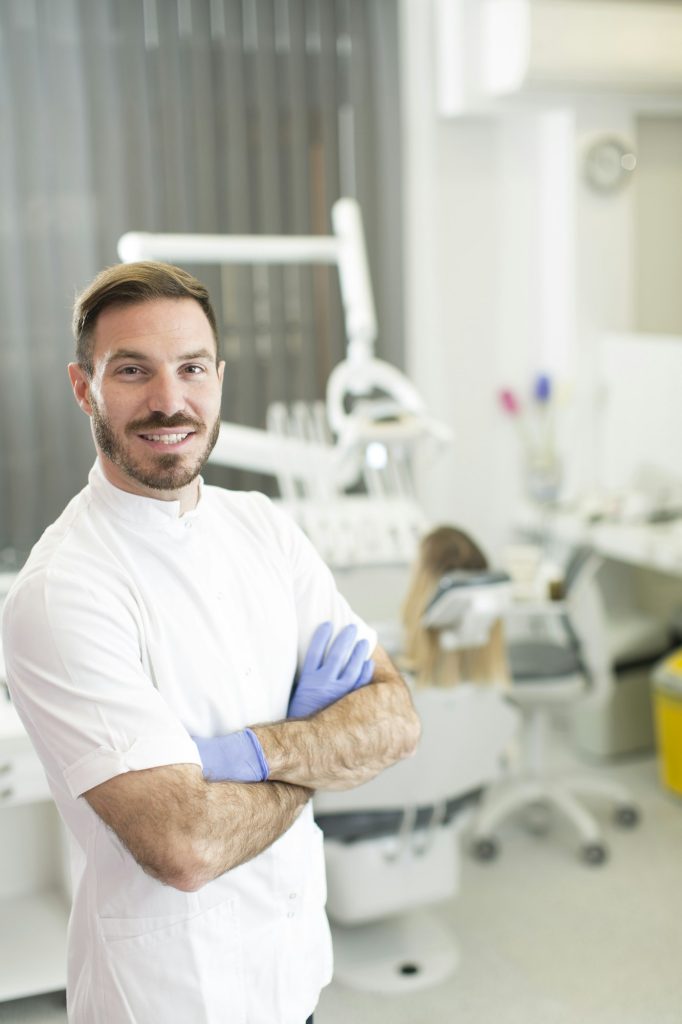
<point x="34" y="900"/>
<point x="550" y="50"/>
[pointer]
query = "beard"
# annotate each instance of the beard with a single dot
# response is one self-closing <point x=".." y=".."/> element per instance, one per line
<point x="159" y="472"/>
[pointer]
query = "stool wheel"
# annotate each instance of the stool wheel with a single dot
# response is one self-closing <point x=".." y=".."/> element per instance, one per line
<point x="594" y="853"/>
<point x="626" y="816"/>
<point x="485" y="849"/>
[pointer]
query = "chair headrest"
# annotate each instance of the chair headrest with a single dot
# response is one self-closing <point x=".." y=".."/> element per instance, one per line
<point x="469" y="578"/>
<point x="466" y="605"/>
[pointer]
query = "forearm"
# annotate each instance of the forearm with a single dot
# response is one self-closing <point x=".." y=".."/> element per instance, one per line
<point x="348" y="742"/>
<point x="243" y="819"/>
<point x="192" y="831"/>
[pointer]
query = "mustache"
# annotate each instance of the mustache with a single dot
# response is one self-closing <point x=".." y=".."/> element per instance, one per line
<point x="159" y="420"/>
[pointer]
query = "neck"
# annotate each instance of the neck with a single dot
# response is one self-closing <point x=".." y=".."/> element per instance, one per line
<point x="188" y="496"/>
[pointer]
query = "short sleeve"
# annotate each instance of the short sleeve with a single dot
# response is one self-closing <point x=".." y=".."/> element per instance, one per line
<point x="75" y="669"/>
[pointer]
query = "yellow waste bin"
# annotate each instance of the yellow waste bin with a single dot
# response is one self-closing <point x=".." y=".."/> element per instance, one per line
<point x="667" y="679"/>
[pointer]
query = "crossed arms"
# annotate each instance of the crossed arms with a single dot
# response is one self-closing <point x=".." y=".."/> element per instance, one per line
<point x="186" y="831"/>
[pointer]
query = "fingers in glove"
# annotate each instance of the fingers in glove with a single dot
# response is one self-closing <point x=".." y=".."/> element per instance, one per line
<point x="366" y="674"/>
<point x="340" y="651"/>
<point x="351" y="673"/>
<point x="318" y="645"/>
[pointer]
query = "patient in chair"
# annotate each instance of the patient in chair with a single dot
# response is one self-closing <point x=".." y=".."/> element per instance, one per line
<point x="442" y="551"/>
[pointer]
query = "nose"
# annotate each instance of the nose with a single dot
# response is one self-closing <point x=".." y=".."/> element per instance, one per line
<point x="165" y="393"/>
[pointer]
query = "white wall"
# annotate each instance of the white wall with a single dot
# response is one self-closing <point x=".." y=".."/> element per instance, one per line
<point x="659" y="224"/>
<point x="513" y="266"/>
<point x="451" y="188"/>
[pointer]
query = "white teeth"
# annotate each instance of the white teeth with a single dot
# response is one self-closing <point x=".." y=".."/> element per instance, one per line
<point x="166" y="438"/>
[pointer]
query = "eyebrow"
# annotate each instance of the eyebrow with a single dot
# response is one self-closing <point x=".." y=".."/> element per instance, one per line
<point x="141" y="357"/>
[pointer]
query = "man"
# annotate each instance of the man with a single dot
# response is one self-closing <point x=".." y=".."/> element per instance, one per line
<point x="156" y="610"/>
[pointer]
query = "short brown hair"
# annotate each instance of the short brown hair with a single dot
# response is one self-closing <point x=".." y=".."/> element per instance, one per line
<point x="126" y="284"/>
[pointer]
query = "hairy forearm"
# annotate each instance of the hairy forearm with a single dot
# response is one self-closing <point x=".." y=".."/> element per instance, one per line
<point x="348" y="742"/>
<point x="241" y="820"/>
<point x="185" y="831"/>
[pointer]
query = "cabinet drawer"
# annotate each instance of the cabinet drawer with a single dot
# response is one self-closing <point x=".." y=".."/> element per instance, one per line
<point x="22" y="779"/>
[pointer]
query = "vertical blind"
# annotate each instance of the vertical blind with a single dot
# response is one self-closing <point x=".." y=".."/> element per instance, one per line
<point x="240" y="116"/>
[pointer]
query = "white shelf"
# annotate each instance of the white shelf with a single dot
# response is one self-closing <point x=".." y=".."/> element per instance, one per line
<point x="33" y="944"/>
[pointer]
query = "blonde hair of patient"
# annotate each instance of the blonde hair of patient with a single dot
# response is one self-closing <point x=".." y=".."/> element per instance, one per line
<point x="447" y="549"/>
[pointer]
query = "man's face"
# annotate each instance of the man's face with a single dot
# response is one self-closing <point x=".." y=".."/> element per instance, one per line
<point x="154" y="397"/>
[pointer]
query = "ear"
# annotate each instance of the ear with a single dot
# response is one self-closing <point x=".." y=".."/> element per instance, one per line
<point x="221" y="371"/>
<point x="80" y="382"/>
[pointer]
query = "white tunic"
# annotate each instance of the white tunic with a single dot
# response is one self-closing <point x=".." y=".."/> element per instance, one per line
<point x="129" y="629"/>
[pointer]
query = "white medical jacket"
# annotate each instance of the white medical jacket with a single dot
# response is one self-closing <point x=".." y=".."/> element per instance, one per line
<point x="129" y="628"/>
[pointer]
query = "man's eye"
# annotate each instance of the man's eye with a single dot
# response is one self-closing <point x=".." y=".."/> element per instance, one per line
<point x="129" y="371"/>
<point x="194" y="369"/>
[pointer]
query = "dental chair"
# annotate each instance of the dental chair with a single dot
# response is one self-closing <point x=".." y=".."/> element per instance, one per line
<point x="392" y="845"/>
<point x="559" y="658"/>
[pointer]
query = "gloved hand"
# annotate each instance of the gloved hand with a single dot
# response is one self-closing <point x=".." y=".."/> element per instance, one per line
<point x="326" y="678"/>
<point x="235" y="757"/>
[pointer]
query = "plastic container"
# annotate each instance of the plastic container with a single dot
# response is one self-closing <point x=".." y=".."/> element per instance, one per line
<point x="667" y="680"/>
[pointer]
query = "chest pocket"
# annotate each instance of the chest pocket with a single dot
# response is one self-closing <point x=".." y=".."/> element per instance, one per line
<point x="163" y="970"/>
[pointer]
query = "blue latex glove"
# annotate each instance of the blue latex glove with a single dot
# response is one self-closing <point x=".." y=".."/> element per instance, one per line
<point x="235" y="757"/>
<point x="326" y="677"/>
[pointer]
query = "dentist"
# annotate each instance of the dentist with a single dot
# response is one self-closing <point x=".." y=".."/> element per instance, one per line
<point x="189" y="675"/>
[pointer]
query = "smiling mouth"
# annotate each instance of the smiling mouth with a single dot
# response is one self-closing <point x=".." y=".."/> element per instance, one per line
<point x="167" y="440"/>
